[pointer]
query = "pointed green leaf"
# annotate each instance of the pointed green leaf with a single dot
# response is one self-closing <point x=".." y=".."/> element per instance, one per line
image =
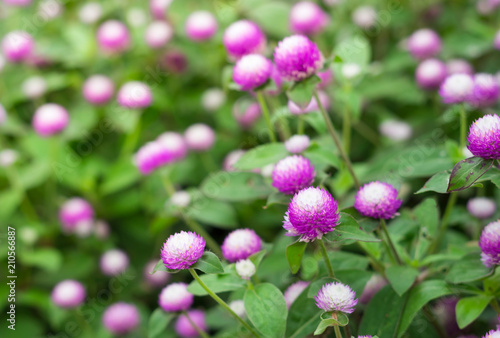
<point x="235" y="186"/>
<point x="161" y="267"/>
<point x="302" y="92"/>
<point x="158" y="322"/>
<point x="349" y="229"/>
<point x="216" y="283"/>
<point x="294" y="253"/>
<point x="468" y="309"/>
<point x="401" y="277"/>
<point x="468" y="269"/>
<point x="437" y="183"/>
<point x="209" y="263"/>
<point x="468" y="171"/>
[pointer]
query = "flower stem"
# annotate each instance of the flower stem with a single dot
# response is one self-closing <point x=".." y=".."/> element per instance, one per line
<point x="300" y="125"/>
<point x="265" y="112"/>
<point x="222" y="303"/>
<point x="196" y="327"/>
<point x="387" y="248"/>
<point x="325" y="257"/>
<point x="444" y="222"/>
<point x="337" y="331"/>
<point x="346" y="130"/>
<point x="463" y="127"/>
<point x="391" y="244"/>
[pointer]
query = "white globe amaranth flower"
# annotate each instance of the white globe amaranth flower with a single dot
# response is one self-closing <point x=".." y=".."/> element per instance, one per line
<point x="351" y="70"/>
<point x="180" y="199"/>
<point x="245" y="268"/>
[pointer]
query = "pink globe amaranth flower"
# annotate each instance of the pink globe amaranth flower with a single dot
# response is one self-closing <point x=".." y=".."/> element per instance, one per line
<point x="201" y="26"/>
<point x="481" y="207"/>
<point x="174" y="147"/>
<point x="17" y="46"/>
<point x="113" y="36"/>
<point x="396" y="130"/>
<point x="135" y="95"/>
<point x="149" y="157"/>
<point x="121" y="318"/>
<point x="175" y="297"/>
<point x="293" y="173"/>
<point x="457" y="88"/>
<point x="308" y="18"/>
<point x="199" y="137"/>
<point x="183" y="326"/>
<point x="243" y="37"/>
<point x="50" y="119"/>
<point x="213" y="99"/>
<point x="297" y="144"/>
<point x="484" y="137"/>
<point x="364" y="17"/>
<point x="377" y="200"/>
<point x="430" y="73"/>
<point x="90" y="12"/>
<point x="182" y="249"/>
<point x="18" y="3"/>
<point x="68" y="294"/>
<point x="459" y="66"/>
<point x="158" y="279"/>
<point x="241" y="244"/>
<point x="312" y="106"/>
<point x="297" y="58"/>
<point x="74" y="211"/>
<point x="246" y="112"/>
<point x="294" y="291"/>
<point x="492" y="334"/>
<point x="486" y="90"/>
<point x="158" y="8"/>
<point x="424" y="43"/>
<point x="326" y="78"/>
<point x="374" y="285"/>
<point x="489" y="242"/>
<point x="158" y="34"/>
<point x="336" y="297"/>
<point x="98" y="89"/>
<point x="312" y="212"/>
<point x="231" y="159"/>
<point x="113" y="262"/>
<point x="252" y="71"/>
<point x="496" y="41"/>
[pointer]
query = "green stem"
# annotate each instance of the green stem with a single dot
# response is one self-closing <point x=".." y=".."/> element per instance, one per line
<point x="325" y="257"/>
<point x="196" y="327"/>
<point x="387" y="249"/>
<point x="346" y="130"/>
<point x="337" y="331"/>
<point x="222" y="303"/>
<point x="463" y="127"/>
<point x="444" y="222"/>
<point x="300" y="125"/>
<point x="267" y="117"/>
<point x="495" y="306"/>
<point x="389" y="240"/>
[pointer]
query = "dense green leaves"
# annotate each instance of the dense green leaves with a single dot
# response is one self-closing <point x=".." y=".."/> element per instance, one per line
<point x="261" y="156"/>
<point x="467" y="269"/>
<point x="467" y="172"/>
<point x="401" y="277"/>
<point x="349" y="229"/>
<point x="216" y="213"/>
<point x="235" y="186"/>
<point x="468" y="309"/>
<point x="294" y="253"/>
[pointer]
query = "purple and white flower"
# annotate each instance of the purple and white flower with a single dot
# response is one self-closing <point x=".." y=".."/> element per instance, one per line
<point x="68" y="294"/>
<point x="243" y="37"/>
<point x="377" y="200"/>
<point x="182" y="249"/>
<point x="484" y="137"/>
<point x="121" y="318"/>
<point x="175" y="297"/>
<point x="241" y="244"/>
<point x="489" y="242"/>
<point x="297" y="58"/>
<point x="293" y="173"/>
<point x="336" y="297"/>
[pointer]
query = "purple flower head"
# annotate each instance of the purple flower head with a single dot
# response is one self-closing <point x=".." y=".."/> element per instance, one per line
<point x="175" y="297"/>
<point x="294" y="291"/>
<point x="246" y="113"/>
<point x="98" y="89"/>
<point x="486" y="90"/>
<point x="121" y="318"/>
<point x="489" y="242"/>
<point x="175" y="61"/>
<point x="297" y="144"/>
<point x="292" y="174"/>
<point x="174" y="147"/>
<point x="424" y="43"/>
<point x="158" y="34"/>
<point x="307" y="18"/>
<point x="312" y="106"/>
<point x="297" y="58"/>
<point x="243" y="37"/>
<point x="430" y="73"/>
<point x="18" y="3"/>
<point x="159" y="8"/>
<point x="17" y="46"/>
<point x="201" y="26"/>
<point x="312" y="212"/>
<point x="374" y="285"/>
<point x="183" y="325"/>
<point x="50" y="119"/>
<point x="74" y="211"/>
<point x="492" y="334"/>
<point x="336" y="297"/>
<point x="278" y="81"/>
<point x="199" y="137"/>
<point x="113" y="262"/>
<point x="481" y="207"/>
<point x="68" y="294"/>
<point x="326" y="78"/>
<point x="496" y="41"/>
<point x="457" y="88"/>
<point x="149" y="157"/>
<point x="484" y="137"/>
<point x="182" y="249"/>
<point x="377" y="200"/>
<point x="158" y="279"/>
<point x="459" y="66"/>
<point x="113" y="37"/>
<point x="240" y="244"/>
<point x="135" y="95"/>
<point x="364" y="17"/>
<point x="252" y="71"/>
<point x="396" y="130"/>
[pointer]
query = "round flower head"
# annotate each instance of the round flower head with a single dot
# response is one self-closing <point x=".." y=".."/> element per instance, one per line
<point x="312" y="212"/>
<point x="50" y="9"/>
<point x="241" y="244"/>
<point x="50" y="119"/>
<point x="307" y="18"/>
<point x="374" y="285"/>
<point x="158" y="8"/>
<point x="292" y="174"/>
<point x="149" y="157"/>
<point x="158" y="33"/>
<point x="294" y="291"/>
<point x="174" y="148"/>
<point x="396" y="130"/>
<point x="34" y="87"/>
<point x="180" y="199"/>
<point x="17" y="46"/>
<point x="238" y="306"/>
<point x="312" y="106"/>
<point x="430" y="73"/>
<point x="297" y="58"/>
<point x="175" y="297"/>
<point x="135" y="94"/>
<point x="158" y="279"/>
<point x="492" y="333"/>
<point x="246" y="113"/>
<point x="136" y="17"/>
<point x="243" y="37"/>
<point x="424" y="43"/>
<point x="326" y="78"/>
<point x="489" y="242"/>
<point x="212" y="99"/>
<point x="377" y="200"/>
<point x="336" y="297"/>
<point x="74" y="211"/>
<point x="175" y="61"/>
<point x="364" y="17"/>
<point x="68" y="294"/>
<point x="481" y="207"/>
<point x="245" y="268"/>
<point x="496" y="41"/>
<point x="199" y="137"/>
<point x="459" y="66"/>
<point x="8" y="157"/>
<point x="252" y="71"/>
<point x="113" y="36"/>
<point x="98" y="89"/>
<point x="486" y="90"/>
<point x="183" y="326"/>
<point x="457" y="88"/>
<point x="90" y="12"/>
<point x="113" y="262"/>
<point x="201" y="26"/>
<point x="297" y="144"/>
<point x="181" y="250"/>
<point x="484" y="137"/>
<point x="121" y="318"/>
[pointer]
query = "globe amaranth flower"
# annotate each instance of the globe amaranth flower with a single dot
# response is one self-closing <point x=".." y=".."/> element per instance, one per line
<point x="90" y="12"/>
<point x="396" y="130"/>
<point x="74" y="211"/>
<point x="158" y="279"/>
<point x="175" y="61"/>
<point x="377" y="200"/>
<point x="183" y="326"/>
<point x="158" y="34"/>
<point x="238" y="306"/>
<point x="297" y="58"/>
<point x="245" y="268"/>
<point x="312" y="212"/>
<point x="200" y="26"/>
<point x="199" y="137"/>
<point x="18" y="3"/>
<point x="492" y="334"/>
<point x="135" y="95"/>
<point x="17" y="46"/>
<point x="98" y="89"/>
<point x="240" y="244"/>
<point x="364" y="17"/>
<point x="489" y="242"/>
<point x="307" y="18"/>
<point x="121" y="318"/>
<point x="430" y="73"/>
<point x="294" y="291"/>
<point x="292" y="174"/>
<point x="113" y="262"/>
<point x="68" y="294"/>
<point x="243" y="37"/>
<point x="481" y="207"/>
<point x="231" y="159"/>
<point x="246" y="112"/>
<point x="50" y="119"/>
<point x="113" y="36"/>
<point x="159" y="8"/>
<point x="8" y="157"/>
<point x="174" y="147"/>
<point x="445" y="312"/>
<point x="149" y="157"/>
<point x="424" y="43"/>
<point x="180" y="199"/>
<point x="459" y="66"/>
<point x="486" y="90"/>
<point x="457" y="88"/>
<point x="34" y="87"/>
<point x="175" y="297"/>
<point x="182" y="249"/>
<point x="252" y="71"/>
<point x="212" y="99"/>
<point x="312" y="106"/>
<point x="374" y="285"/>
<point x="297" y="144"/>
<point x="336" y="297"/>
<point x="484" y="137"/>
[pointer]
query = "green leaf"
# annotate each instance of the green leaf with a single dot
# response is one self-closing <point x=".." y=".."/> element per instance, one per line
<point x="437" y="183"/>
<point x="401" y="277"/>
<point x="271" y="16"/>
<point x="302" y="316"/>
<point x="468" y="269"/>
<point x="34" y="174"/>
<point x="158" y="322"/>
<point x="217" y="283"/>
<point x="45" y="258"/>
<point x="261" y="156"/>
<point x="119" y="176"/>
<point x="217" y="213"/>
<point x="257" y="257"/>
<point x="235" y="186"/>
<point x="468" y="171"/>
<point x="468" y="309"/>
<point x="277" y="198"/>
<point x="354" y="50"/>
<point x="266" y="308"/>
<point x="322" y="155"/>
<point x="341" y="320"/>
<point x="301" y="93"/>
<point x="294" y="253"/>
<point x="209" y="263"/>
<point x="160" y="266"/>
<point x="317" y="284"/>
<point x="349" y="229"/>
<point x="427" y="216"/>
